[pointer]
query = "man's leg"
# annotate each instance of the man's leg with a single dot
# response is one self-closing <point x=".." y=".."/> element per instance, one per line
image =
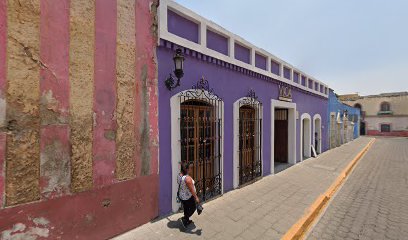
<point x="191" y="207"/>
<point x="186" y="210"/>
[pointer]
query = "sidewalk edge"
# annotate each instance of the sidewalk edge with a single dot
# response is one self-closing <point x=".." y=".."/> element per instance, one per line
<point x="301" y="227"/>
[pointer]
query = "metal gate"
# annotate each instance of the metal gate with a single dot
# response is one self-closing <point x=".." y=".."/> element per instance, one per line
<point x="250" y="135"/>
<point x="200" y="132"/>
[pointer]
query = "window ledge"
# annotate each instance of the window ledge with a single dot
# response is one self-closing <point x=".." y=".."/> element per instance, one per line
<point x="385" y="113"/>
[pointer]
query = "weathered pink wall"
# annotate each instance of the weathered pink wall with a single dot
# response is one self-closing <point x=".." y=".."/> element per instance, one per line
<point x="146" y="131"/>
<point x="54" y="107"/>
<point x="2" y="169"/>
<point x="97" y="214"/>
<point x="107" y="205"/>
<point x="3" y="45"/>
<point x="105" y="93"/>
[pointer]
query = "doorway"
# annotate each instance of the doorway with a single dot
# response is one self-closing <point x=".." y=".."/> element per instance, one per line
<point x="317" y="133"/>
<point x="199" y="138"/>
<point x="250" y="164"/>
<point x="332" y="130"/>
<point x="281" y="136"/>
<point x="362" y="128"/>
<point x="280" y="140"/>
<point x="306" y="136"/>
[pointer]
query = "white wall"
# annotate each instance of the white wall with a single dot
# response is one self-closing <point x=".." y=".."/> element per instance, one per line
<point x="397" y="123"/>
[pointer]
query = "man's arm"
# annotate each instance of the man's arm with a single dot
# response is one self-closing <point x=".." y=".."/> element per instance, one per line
<point x="190" y="186"/>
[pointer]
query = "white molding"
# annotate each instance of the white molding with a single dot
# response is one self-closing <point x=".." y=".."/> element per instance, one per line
<point x="317" y="117"/>
<point x="332" y="130"/>
<point x="203" y="34"/>
<point x="268" y="64"/>
<point x="201" y="21"/>
<point x="281" y="70"/>
<point x="291" y="131"/>
<point x="231" y="48"/>
<point x="253" y="57"/>
<point x="235" y="164"/>
<point x="308" y="132"/>
<point x="291" y="75"/>
<point x="176" y="145"/>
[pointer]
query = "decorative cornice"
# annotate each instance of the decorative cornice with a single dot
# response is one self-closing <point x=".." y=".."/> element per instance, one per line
<point x="212" y="60"/>
<point x="200" y="46"/>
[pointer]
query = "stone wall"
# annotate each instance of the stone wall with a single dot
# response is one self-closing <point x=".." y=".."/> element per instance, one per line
<point x="397" y="117"/>
<point x="78" y="117"/>
<point x="371" y="104"/>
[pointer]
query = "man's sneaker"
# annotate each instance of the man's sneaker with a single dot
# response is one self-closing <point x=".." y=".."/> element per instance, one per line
<point x="183" y="223"/>
<point x="189" y="222"/>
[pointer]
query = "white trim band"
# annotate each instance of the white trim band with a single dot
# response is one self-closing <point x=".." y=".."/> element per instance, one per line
<point x="201" y="47"/>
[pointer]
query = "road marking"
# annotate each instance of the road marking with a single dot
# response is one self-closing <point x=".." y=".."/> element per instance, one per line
<point x="302" y="226"/>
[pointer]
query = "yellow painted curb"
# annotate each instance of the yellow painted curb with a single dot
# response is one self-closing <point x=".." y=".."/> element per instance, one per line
<point x="300" y="228"/>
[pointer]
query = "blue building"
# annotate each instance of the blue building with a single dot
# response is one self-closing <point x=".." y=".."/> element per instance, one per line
<point x="343" y="121"/>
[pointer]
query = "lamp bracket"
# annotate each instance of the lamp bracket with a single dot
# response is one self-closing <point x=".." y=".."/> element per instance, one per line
<point x="171" y="82"/>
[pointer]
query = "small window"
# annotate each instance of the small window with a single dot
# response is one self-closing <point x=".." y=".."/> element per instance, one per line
<point x="296" y="77"/>
<point x="286" y="73"/>
<point x="385" y="128"/>
<point x="303" y="80"/>
<point x="310" y="84"/>
<point x="275" y="67"/>
<point x="385" y="107"/>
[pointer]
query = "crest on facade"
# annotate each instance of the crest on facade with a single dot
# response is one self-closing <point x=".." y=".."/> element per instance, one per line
<point x="285" y="93"/>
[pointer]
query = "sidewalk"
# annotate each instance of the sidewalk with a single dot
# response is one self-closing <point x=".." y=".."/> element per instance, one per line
<point x="263" y="210"/>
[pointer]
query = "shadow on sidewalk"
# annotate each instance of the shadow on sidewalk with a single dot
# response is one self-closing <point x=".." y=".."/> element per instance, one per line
<point x="189" y="230"/>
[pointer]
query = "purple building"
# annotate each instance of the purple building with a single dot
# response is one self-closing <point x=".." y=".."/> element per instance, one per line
<point x="240" y="113"/>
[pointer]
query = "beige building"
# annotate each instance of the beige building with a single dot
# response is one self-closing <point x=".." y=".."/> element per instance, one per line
<point x="384" y="114"/>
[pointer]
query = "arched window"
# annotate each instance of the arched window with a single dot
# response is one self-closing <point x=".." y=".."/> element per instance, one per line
<point x="385" y="107"/>
<point x="250" y="165"/>
<point x="200" y="131"/>
<point x="358" y="105"/>
<point x="247" y="164"/>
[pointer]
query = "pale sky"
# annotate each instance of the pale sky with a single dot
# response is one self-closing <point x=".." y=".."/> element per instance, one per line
<point x="351" y="45"/>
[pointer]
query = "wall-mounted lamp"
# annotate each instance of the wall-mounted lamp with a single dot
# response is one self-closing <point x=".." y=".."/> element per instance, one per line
<point x="178" y="60"/>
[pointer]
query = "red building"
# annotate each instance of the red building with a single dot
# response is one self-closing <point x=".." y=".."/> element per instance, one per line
<point x="78" y="117"/>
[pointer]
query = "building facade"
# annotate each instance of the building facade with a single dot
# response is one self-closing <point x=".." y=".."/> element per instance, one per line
<point x="78" y="118"/>
<point x="343" y="122"/>
<point x="238" y="113"/>
<point x="384" y="114"/>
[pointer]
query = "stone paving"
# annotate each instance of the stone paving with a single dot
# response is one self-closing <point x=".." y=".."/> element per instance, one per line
<point x="373" y="203"/>
<point x="263" y="210"/>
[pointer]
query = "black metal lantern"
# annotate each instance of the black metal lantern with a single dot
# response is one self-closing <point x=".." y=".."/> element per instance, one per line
<point x="178" y="60"/>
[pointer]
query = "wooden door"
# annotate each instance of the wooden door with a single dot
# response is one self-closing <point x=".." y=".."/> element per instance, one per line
<point x="247" y="137"/>
<point x="281" y="135"/>
<point x="197" y="127"/>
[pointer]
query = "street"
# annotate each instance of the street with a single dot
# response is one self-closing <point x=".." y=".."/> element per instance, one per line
<point x="119" y="119"/>
<point x="373" y="202"/>
<point x="268" y="208"/>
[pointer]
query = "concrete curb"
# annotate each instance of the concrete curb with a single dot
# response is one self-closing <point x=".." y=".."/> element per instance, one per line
<point x="301" y="227"/>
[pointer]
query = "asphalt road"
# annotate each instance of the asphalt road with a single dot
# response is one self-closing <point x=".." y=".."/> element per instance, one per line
<point x="373" y="202"/>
